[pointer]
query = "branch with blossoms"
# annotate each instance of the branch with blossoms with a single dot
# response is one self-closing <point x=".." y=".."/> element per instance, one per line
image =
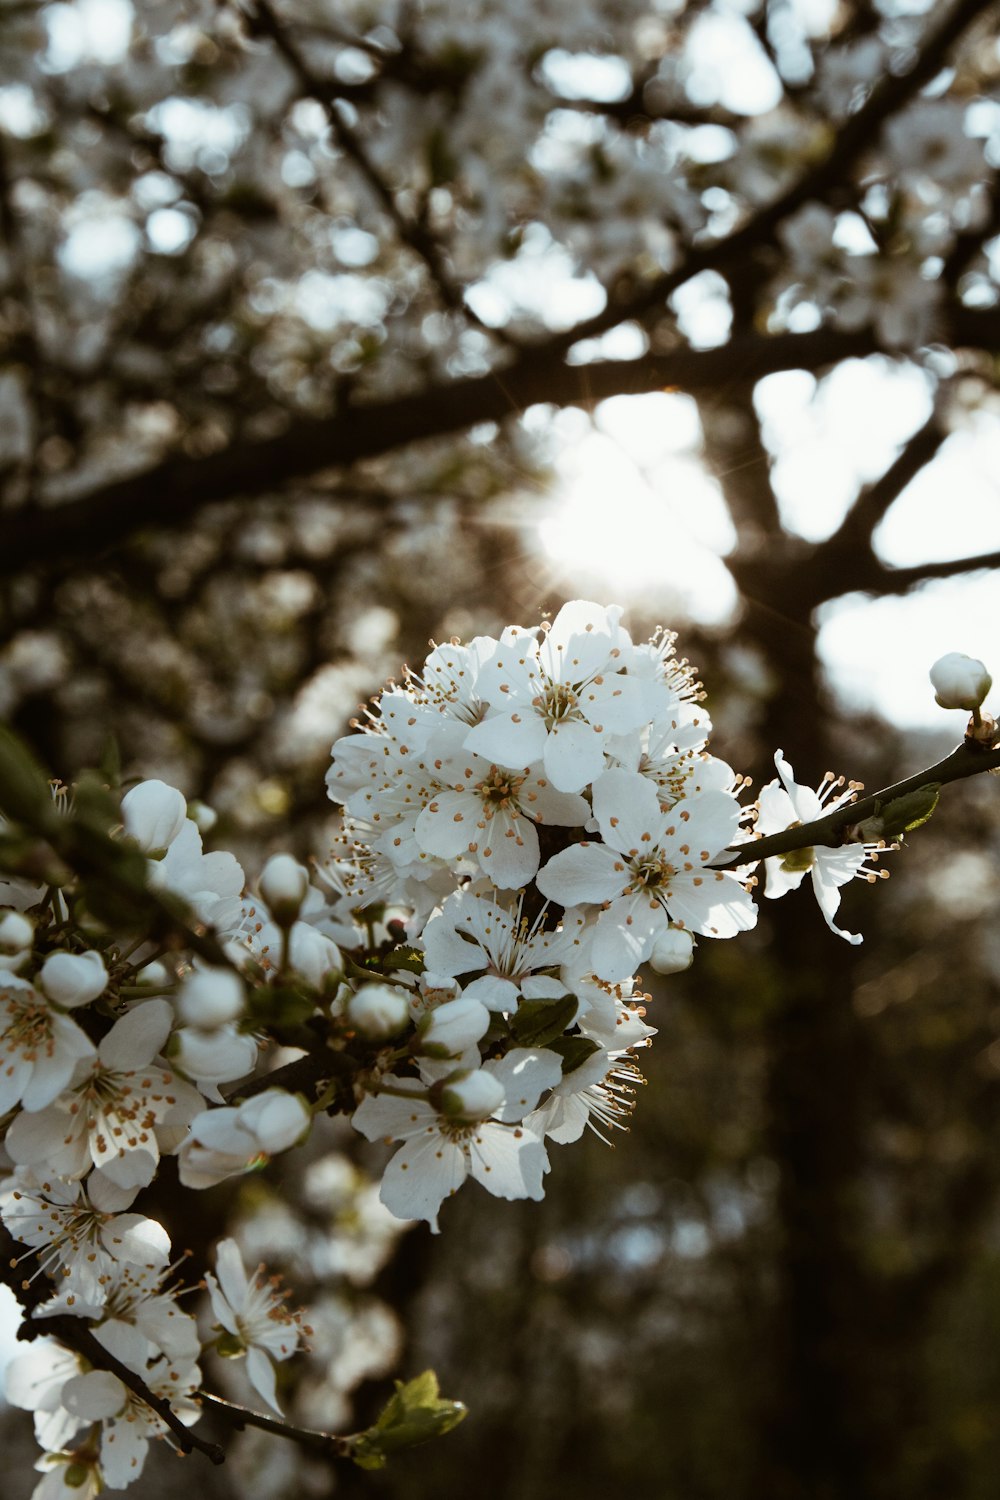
<point x="526" y="821"/>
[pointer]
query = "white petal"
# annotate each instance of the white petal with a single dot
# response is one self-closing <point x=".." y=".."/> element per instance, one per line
<point x="574" y="755"/>
<point x="525" y="1074"/>
<point x="420" y="1176"/>
<point x="508" y="850"/>
<point x="584" y="872"/>
<point x="262" y="1377"/>
<point x="135" y="1040"/>
<point x="515" y="740"/>
<point x="93" y="1396"/>
<point x="509" y="1161"/>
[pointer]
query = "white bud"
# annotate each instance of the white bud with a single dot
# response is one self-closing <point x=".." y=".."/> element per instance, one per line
<point x="960" y="681"/>
<point x="153" y="814"/>
<point x="210" y="998"/>
<point x="72" y="979"/>
<point x="283" y="884"/>
<point x="378" y="1011"/>
<point x="312" y="954"/>
<point x="155" y="974"/>
<point x="673" y="951"/>
<point x="16" y="932"/>
<point x="447" y="1030"/>
<point x="216" y="1056"/>
<point x="202" y="816"/>
<point x="468" y="1097"/>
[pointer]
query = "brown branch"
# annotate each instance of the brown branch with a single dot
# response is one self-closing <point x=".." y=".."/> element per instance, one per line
<point x="326" y="1443"/>
<point x="882" y="580"/>
<point x="75" y="1334"/>
<point x="855" y="137"/>
<point x="168" y="494"/>
<point x="832" y="830"/>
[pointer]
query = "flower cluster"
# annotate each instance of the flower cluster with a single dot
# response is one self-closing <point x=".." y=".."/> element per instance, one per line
<point x="526" y="822"/>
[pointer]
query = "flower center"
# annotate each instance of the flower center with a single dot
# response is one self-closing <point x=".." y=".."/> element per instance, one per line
<point x="499" y="789"/>
<point x="558" y="702"/>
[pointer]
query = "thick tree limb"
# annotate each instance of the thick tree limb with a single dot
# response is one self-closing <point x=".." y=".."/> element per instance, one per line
<point x="170" y="493"/>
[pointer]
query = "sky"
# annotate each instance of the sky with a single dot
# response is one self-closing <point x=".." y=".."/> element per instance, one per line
<point x="636" y="515"/>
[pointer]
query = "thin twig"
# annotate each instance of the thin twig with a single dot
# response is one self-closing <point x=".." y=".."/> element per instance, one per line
<point x="76" y="1335"/>
<point x="327" y="1443"/>
<point x="831" y="831"/>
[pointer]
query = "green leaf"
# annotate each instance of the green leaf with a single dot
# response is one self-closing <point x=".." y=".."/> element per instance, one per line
<point x="413" y="1415"/>
<point x="405" y="958"/>
<point x="24" y="787"/>
<point x="574" y="1050"/>
<point x="892" y="819"/>
<point x="537" y="1023"/>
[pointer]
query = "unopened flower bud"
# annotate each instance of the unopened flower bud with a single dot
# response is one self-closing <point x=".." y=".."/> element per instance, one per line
<point x="153" y="814"/>
<point x="283" y="884"/>
<point x="72" y="979"/>
<point x="202" y="816"/>
<point x="16" y="932"/>
<point x="960" y="681"/>
<point x="378" y="1011"/>
<point x="210" y="998"/>
<point x="216" y="1056"/>
<point x="468" y="1097"/>
<point x="447" y="1030"/>
<point x="673" y="951"/>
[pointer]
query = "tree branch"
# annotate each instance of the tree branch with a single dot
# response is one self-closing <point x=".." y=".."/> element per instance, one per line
<point x="75" y="1334"/>
<point x="833" y="830"/>
<point x="326" y="1443"/>
<point x="168" y="494"/>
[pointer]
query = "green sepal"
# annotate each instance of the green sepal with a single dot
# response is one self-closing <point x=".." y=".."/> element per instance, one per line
<point x="574" y="1050"/>
<point x="537" y="1023"/>
<point x="413" y="1415"/>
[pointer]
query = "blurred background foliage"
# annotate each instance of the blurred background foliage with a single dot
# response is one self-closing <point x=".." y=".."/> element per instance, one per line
<point x="290" y="295"/>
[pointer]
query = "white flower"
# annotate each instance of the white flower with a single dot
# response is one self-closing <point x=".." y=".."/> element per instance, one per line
<point x="960" y="681"/>
<point x="72" y="979"/>
<point x="474" y="935"/>
<point x="211" y="883"/>
<point x="673" y="951"/>
<point x="109" y="1117"/>
<point x="378" y="1011"/>
<point x="229" y="1141"/>
<point x="215" y="1055"/>
<point x="16" y="933"/>
<point x="39" y="1048"/>
<point x="651" y="869"/>
<point x="602" y="1087"/>
<point x="68" y="1476"/>
<point x="450" y="1029"/>
<point x="127" y="1421"/>
<point x="153" y="814"/>
<point x="80" y="1233"/>
<point x="439" y="1151"/>
<point x="559" y="700"/>
<point x="254" y="1313"/>
<point x="283" y="884"/>
<point x="210" y="998"/>
<point x="785" y="804"/>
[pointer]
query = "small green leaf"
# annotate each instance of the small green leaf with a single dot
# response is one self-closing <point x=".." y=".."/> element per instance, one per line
<point x="413" y="1415"/>
<point x="405" y="958"/>
<point x="574" y="1050"/>
<point x="537" y="1023"/>
<point x="24" y="787"/>
<point x="892" y="819"/>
